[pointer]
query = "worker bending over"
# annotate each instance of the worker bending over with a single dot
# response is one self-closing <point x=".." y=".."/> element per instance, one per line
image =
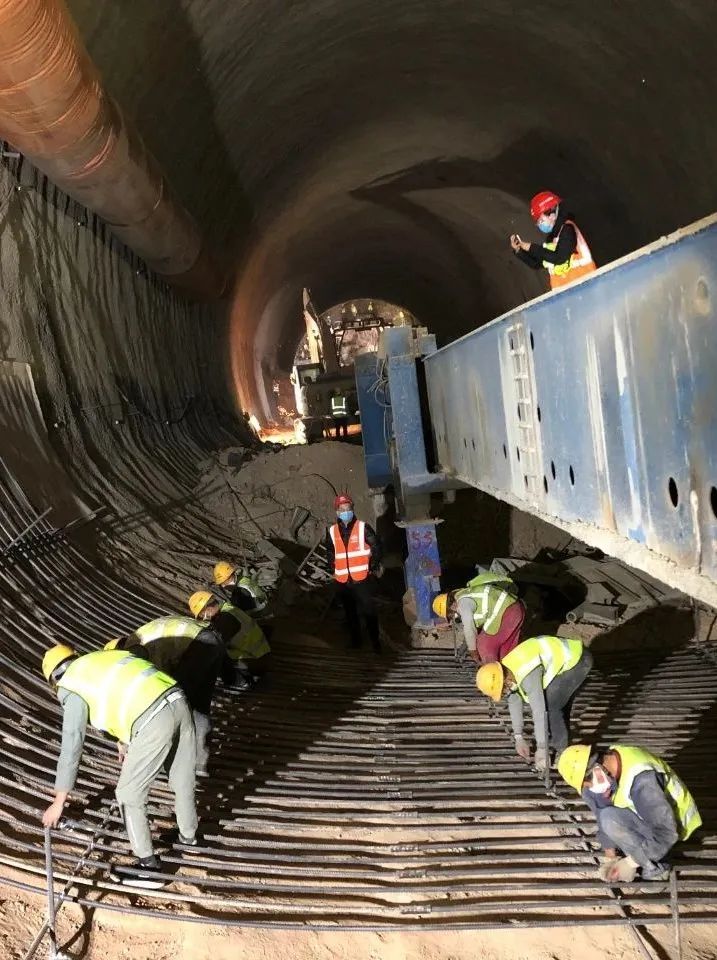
<point x="192" y="653"/>
<point x="248" y="654"/>
<point x="490" y="612"/>
<point x="146" y="712"/>
<point x="565" y="253"/>
<point x="641" y="806"/>
<point x="354" y="551"/>
<point x="546" y="673"/>
<point x="239" y="587"/>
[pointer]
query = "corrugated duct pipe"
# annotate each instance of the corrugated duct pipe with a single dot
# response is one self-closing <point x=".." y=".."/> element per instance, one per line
<point x="54" y="109"/>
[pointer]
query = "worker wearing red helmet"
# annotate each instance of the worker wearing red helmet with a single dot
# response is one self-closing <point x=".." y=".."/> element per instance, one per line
<point x="354" y="552"/>
<point x="565" y="253"/>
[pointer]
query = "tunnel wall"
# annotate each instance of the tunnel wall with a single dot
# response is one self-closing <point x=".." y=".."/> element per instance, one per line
<point x="388" y="149"/>
<point x="123" y="370"/>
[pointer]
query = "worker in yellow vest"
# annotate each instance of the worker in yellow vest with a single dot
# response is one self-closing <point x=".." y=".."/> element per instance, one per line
<point x="490" y="612"/>
<point x="564" y="253"/>
<point x="340" y="413"/>
<point x="239" y="587"/>
<point x="642" y="807"/>
<point x="193" y="654"/>
<point x="546" y="673"/>
<point x="248" y="654"/>
<point x="144" y="709"/>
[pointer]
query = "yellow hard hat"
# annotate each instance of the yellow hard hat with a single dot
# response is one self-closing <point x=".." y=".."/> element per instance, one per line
<point x="440" y="605"/>
<point x="198" y="601"/>
<point x="113" y="644"/>
<point x="54" y="657"/>
<point x="573" y="765"/>
<point x="489" y="680"/>
<point x="223" y="571"/>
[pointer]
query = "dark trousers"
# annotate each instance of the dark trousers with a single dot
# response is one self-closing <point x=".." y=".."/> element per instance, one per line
<point x="357" y="599"/>
<point x="197" y="673"/>
<point x="559" y="697"/>
<point x="341" y="424"/>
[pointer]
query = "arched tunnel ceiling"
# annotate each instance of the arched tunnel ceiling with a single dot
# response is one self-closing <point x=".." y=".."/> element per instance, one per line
<point x="364" y="147"/>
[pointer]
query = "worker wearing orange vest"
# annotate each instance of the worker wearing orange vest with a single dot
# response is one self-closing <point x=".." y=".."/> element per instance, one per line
<point x="565" y="253"/>
<point x="354" y="551"/>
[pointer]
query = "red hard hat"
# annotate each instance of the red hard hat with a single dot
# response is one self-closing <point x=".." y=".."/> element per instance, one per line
<point x="343" y="498"/>
<point x="545" y="200"/>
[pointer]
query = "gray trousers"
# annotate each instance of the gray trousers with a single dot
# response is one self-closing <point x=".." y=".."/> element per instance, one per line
<point x="166" y="742"/>
<point x="559" y="697"/>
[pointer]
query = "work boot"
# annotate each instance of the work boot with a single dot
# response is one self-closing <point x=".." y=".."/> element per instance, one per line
<point x="655" y="871"/>
<point x="173" y="836"/>
<point x="145" y="873"/>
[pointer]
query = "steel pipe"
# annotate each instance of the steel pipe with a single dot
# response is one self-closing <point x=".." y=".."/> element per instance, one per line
<point x="55" y="110"/>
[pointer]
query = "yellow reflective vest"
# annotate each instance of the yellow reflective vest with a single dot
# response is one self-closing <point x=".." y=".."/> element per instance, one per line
<point x="166" y="639"/>
<point x="184" y="629"/>
<point x="117" y="688"/>
<point x="249" y="642"/>
<point x="492" y="594"/>
<point x="253" y="589"/>
<point x="555" y="655"/>
<point x="634" y="761"/>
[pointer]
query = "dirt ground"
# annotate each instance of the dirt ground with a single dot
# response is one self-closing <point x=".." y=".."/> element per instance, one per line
<point x="108" y="936"/>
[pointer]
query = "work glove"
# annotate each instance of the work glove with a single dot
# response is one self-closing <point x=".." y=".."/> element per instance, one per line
<point x="522" y="747"/>
<point x="541" y="759"/>
<point x="606" y="865"/>
<point x="621" y="870"/>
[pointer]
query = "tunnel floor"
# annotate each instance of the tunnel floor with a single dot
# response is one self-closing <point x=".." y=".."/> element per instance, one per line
<point x="375" y="793"/>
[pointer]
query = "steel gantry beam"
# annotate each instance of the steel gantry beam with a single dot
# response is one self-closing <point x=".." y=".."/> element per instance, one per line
<point x="595" y="408"/>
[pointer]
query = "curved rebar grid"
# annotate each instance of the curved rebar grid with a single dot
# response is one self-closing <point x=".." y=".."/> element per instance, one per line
<point x="354" y="791"/>
<point x="365" y="793"/>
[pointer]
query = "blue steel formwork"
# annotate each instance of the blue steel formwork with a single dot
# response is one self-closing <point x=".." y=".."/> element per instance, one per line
<point x="595" y="408"/>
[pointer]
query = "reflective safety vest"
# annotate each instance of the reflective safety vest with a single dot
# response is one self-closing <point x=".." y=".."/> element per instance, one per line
<point x="353" y="557"/>
<point x="249" y="584"/>
<point x="117" y="688"/>
<point x="635" y="761"/>
<point x="579" y="265"/>
<point x="339" y="407"/>
<point x="492" y="594"/>
<point x="184" y="628"/>
<point x="167" y="639"/>
<point x="554" y="654"/>
<point x="249" y="642"/>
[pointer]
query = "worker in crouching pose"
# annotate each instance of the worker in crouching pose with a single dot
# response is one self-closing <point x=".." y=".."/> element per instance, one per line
<point x="193" y="654"/>
<point x="546" y="673"/>
<point x="247" y="651"/>
<point x="490" y="612"/>
<point x="354" y="551"/>
<point x="641" y="806"/>
<point x="144" y="709"/>
<point x="239" y="587"/>
<point x="564" y="253"/>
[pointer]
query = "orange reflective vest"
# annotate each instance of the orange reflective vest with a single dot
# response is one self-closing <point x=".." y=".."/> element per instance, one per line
<point x="351" y="558"/>
<point x="579" y="265"/>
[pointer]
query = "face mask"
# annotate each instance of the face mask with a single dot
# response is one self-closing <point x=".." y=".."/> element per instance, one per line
<point x="544" y="227"/>
<point x="601" y="783"/>
<point x="345" y="516"/>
